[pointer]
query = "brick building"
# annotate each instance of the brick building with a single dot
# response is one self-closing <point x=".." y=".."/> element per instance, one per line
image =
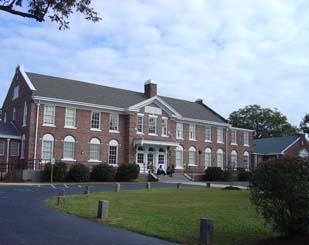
<point x="72" y="121"/>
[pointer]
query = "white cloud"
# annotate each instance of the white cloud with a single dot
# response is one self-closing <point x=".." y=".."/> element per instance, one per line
<point x="229" y="53"/>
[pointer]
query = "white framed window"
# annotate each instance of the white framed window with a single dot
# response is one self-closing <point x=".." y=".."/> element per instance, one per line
<point x="179" y="157"/>
<point x="233" y="137"/>
<point x="49" y="115"/>
<point x="164" y="127"/>
<point x="220" y="158"/>
<point x="152" y="125"/>
<point x="113" y="152"/>
<point x="15" y="92"/>
<point x="246" y="160"/>
<point x="233" y="159"/>
<point x="14" y="114"/>
<point x="207" y="158"/>
<point x="96" y="120"/>
<point x="140" y="155"/>
<point x="69" y="148"/>
<point x="208" y="133"/>
<point x="70" y="117"/>
<point x="94" y="151"/>
<point x="14" y="149"/>
<point x="47" y="147"/>
<point x="2" y="146"/>
<point x="220" y="135"/>
<point x="192" y="134"/>
<point x="179" y="130"/>
<point x="25" y="114"/>
<point x="114" y="122"/>
<point x="23" y="145"/>
<point x="192" y="156"/>
<point x="246" y="139"/>
<point x="5" y="117"/>
<point x="140" y="123"/>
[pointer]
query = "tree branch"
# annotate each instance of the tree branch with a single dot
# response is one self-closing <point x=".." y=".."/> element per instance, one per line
<point x="9" y="9"/>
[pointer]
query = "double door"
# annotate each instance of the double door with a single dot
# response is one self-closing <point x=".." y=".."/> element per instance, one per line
<point x="150" y="158"/>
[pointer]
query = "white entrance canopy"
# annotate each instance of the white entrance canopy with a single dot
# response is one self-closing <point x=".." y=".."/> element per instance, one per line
<point x="154" y="142"/>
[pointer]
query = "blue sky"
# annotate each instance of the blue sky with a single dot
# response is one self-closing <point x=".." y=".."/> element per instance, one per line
<point x="228" y="53"/>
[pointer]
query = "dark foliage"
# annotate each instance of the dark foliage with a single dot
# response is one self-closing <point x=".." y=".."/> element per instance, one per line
<point x="78" y="173"/>
<point x="280" y="191"/>
<point x="243" y="174"/>
<point x="103" y="172"/>
<point x="214" y="173"/>
<point x="127" y="172"/>
<point x="59" y="171"/>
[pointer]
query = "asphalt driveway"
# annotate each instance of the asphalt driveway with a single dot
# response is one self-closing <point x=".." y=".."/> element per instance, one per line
<point x="24" y="219"/>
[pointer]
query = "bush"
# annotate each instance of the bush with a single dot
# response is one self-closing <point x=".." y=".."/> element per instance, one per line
<point x="103" y="172"/>
<point x="280" y="191"/>
<point x="78" y="173"/>
<point x="127" y="172"/>
<point x="59" y="171"/>
<point x="243" y="174"/>
<point x="228" y="175"/>
<point x="214" y="173"/>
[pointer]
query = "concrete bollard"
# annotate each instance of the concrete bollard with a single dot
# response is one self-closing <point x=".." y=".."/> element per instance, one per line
<point x="208" y="185"/>
<point x="206" y="230"/>
<point x="117" y="187"/>
<point x="61" y="197"/>
<point x="148" y="185"/>
<point x="87" y="190"/>
<point x="178" y="185"/>
<point x="103" y="209"/>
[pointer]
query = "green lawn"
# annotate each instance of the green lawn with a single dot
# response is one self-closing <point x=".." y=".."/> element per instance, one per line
<point x="174" y="214"/>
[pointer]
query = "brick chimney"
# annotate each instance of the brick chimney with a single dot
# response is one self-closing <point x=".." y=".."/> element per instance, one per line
<point x="150" y="88"/>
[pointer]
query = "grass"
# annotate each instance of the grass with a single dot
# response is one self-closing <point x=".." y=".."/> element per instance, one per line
<point x="174" y="214"/>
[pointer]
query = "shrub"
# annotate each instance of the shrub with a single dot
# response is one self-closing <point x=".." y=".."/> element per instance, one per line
<point x="280" y="191"/>
<point x="214" y="173"/>
<point x="228" y="175"/>
<point x="127" y="172"/>
<point x="103" y="172"/>
<point x="243" y="174"/>
<point x="78" y="173"/>
<point x="59" y="171"/>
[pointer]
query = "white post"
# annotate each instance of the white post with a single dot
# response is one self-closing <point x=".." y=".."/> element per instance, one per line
<point x="36" y="134"/>
<point x="7" y="154"/>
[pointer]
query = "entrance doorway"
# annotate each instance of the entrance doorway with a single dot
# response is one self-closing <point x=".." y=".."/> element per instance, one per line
<point x="149" y="158"/>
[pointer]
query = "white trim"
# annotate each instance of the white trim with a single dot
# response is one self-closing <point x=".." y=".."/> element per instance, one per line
<point x="49" y="125"/>
<point x="23" y="73"/>
<point x="94" y="161"/>
<point x="68" y="159"/>
<point x="203" y="122"/>
<point x="283" y="151"/>
<point x="7" y="136"/>
<point x="154" y="142"/>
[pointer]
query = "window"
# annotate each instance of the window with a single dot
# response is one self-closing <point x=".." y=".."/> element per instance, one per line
<point x="152" y="126"/>
<point x="140" y="124"/>
<point x="69" y="148"/>
<point x="246" y="160"/>
<point x="164" y="126"/>
<point x="23" y="144"/>
<point x="233" y="160"/>
<point x="192" y="132"/>
<point x="95" y="120"/>
<point x="94" y="149"/>
<point x="220" y="158"/>
<point x="113" y="122"/>
<point x="246" y="138"/>
<point x="2" y="144"/>
<point x="140" y="156"/>
<point x="220" y="135"/>
<point x="47" y="147"/>
<point x="179" y="157"/>
<point x="234" y="137"/>
<point x="49" y="115"/>
<point x="14" y="149"/>
<point x="14" y="114"/>
<point x="208" y="134"/>
<point x="25" y="114"/>
<point x="4" y="119"/>
<point x="179" y="131"/>
<point x="70" y="117"/>
<point x="207" y="158"/>
<point x="15" y="92"/>
<point x="113" y="152"/>
<point x="192" y="156"/>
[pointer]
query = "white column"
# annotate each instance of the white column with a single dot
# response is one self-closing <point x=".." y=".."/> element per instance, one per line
<point x="7" y="154"/>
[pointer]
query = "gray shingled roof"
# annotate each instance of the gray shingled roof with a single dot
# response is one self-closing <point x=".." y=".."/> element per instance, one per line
<point x="7" y="130"/>
<point x="72" y="90"/>
<point x="275" y="145"/>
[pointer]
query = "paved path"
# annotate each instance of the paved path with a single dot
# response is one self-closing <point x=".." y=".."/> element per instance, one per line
<point x="25" y="220"/>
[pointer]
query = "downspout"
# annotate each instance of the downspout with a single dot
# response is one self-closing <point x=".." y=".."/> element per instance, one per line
<point x="226" y="148"/>
<point x="36" y="134"/>
<point x="7" y="155"/>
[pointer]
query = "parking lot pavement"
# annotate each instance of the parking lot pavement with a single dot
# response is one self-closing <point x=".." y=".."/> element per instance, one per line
<point x="26" y="220"/>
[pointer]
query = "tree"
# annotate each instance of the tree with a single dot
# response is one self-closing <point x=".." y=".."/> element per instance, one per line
<point x="264" y="121"/>
<point x="57" y="10"/>
<point x="304" y="124"/>
<point x="280" y="191"/>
